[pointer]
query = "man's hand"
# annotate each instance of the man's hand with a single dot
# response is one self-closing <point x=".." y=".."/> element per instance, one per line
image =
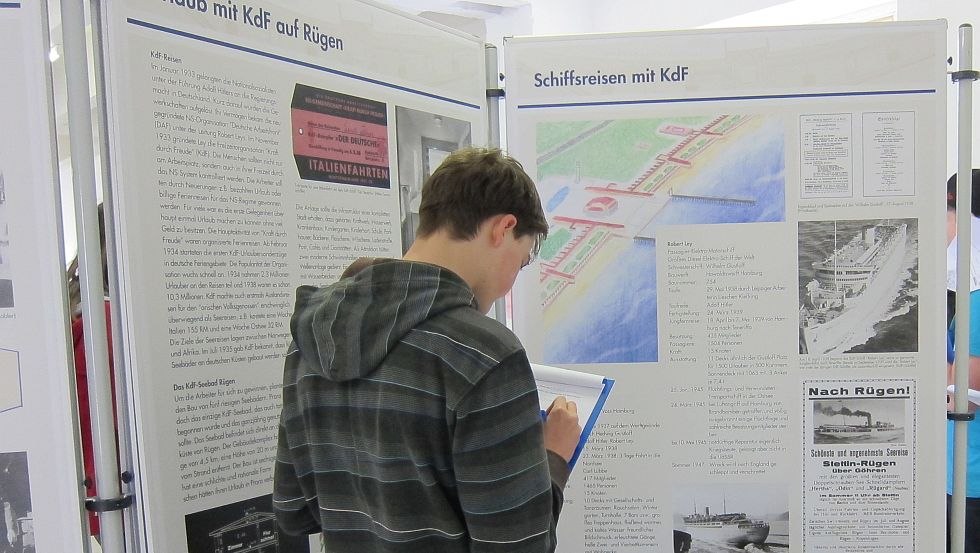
<point x="561" y="428"/>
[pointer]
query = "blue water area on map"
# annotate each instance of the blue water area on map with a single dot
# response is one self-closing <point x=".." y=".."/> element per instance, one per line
<point x="621" y="321"/>
<point x="557" y="199"/>
<point x="752" y="171"/>
<point x="617" y="320"/>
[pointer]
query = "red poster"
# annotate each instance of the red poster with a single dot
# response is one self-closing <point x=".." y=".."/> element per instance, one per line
<point x="340" y="138"/>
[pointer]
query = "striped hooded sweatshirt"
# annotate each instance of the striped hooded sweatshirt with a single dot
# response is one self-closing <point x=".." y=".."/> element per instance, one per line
<point x="410" y="421"/>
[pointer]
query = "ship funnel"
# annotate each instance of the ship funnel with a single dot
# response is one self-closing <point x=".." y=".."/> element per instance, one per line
<point x="706" y="512"/>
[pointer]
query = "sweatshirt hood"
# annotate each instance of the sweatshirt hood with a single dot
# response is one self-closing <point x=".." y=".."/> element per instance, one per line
<point x="345" y="330"/>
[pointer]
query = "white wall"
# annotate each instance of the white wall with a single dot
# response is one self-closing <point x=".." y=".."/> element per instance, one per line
<point x="613" y="16"/>
<point x="512" y="22"/>
<point x="955" y="12"/>
<point x="561" y="17"/>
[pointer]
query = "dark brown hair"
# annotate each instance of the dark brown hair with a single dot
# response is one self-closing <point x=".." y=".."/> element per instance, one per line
<point x="474" y="184"/>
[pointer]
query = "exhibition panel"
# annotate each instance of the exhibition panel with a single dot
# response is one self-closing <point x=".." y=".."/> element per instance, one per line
<point x="746" y="233"/>
<point x="255" y="147"/>
<point x="40" y="468"/>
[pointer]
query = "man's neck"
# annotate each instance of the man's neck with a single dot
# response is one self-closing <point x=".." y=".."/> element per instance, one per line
<point x="462" y="257"/>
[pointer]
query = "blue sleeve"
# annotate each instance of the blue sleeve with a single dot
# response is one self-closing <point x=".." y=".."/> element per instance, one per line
<point x="949" y="346"/>
<point x="975" y="323"/>
<point x="974" y="329"/>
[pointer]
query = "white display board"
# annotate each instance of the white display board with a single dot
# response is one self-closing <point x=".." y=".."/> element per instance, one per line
<point x="256" y="146"/>
<point x="746" y="233"/>
<point x="40" y="476"/>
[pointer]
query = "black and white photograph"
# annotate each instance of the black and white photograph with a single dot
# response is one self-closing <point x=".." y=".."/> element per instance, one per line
<point x="11" y="391"/>
<point x="246" y="525"/>
<point x="424" y="140"/>
<point x="16" y="519"/>
<point x="727" y="517"/>
<point x="858" y="286"/>
<point x="6" y="274"/>
<point x="860" y="421"/>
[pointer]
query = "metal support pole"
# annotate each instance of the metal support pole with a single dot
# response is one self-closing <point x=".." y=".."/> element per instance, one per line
<point x="127" y="470"/>
<point x="91" y="277"/>
<point x="962" y="357"/>
<point x="494" y="93"/>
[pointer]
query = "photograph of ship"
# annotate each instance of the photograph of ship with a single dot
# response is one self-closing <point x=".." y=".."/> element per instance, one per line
<point x="16" y="519"/>
<point x="239" y="527"/>
<point x="731" y="517"/>
<point x="860" y="421"/>
<point x="423" y="139"/>
<point x="858" y="286"/>
<point x="607" y="187"/>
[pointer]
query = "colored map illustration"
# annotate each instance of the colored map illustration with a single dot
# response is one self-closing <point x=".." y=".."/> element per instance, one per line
<point x="607" y="186"/>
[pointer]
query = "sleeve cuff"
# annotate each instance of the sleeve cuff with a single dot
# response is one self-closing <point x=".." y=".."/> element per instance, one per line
<point x="559" y="469"/>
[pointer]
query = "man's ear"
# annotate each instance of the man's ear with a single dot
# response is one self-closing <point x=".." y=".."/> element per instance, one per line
<point x="500" y="225"/>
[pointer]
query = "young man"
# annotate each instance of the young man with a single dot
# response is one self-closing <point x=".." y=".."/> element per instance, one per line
<point x="410" y="420"/>
<point x="972" y="522"/>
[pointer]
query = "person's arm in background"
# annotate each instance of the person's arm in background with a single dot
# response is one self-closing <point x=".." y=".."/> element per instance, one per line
<point x="974" y="365"/>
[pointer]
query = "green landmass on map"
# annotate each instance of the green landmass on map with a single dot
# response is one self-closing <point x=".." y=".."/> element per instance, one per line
<point x="617" y="152"/>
